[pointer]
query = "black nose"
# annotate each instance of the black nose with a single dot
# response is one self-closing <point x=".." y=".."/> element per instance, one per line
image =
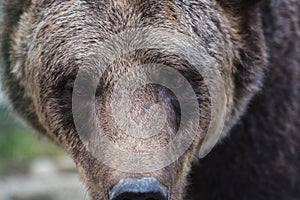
<point x="139" y="189"/>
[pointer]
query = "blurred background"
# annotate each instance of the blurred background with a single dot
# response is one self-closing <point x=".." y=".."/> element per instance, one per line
<point x="31" y="167"/>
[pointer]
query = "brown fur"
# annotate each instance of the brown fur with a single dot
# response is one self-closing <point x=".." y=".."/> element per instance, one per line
<point x="45" y="42"/>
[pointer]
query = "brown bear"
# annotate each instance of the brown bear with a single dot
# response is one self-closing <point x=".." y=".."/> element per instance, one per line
<point x="138" y="93"/>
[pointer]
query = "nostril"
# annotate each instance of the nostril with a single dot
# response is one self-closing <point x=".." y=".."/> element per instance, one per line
<point x="139" y="189"/>
<point x="140" y="196"/>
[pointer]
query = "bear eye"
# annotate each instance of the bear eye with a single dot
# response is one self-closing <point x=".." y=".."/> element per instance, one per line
<point x="174" y="81"/>
<point x="68" y="87"/>
<point x="177" y="82"/>
<point x="170" y="75"/>
<point x="83" y="88"/>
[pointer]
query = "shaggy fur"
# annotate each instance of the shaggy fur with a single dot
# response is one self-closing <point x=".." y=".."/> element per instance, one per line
<point x="255" y="45"/>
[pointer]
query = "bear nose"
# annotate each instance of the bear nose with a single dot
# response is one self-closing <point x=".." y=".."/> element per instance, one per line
<point x="139" y="189"/>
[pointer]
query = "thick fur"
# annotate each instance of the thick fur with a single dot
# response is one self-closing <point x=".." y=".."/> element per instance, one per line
<point x="254" y="43"/>
<point x="260" y="158"/>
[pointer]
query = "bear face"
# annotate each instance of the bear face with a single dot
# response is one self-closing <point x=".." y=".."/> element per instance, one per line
<point x="50" y="46"/>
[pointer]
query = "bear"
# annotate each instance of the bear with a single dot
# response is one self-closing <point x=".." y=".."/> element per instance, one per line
<point x="232" y="112"/>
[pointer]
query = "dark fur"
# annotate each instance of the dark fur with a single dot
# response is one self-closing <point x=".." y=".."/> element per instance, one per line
<point x="260" y="159"/>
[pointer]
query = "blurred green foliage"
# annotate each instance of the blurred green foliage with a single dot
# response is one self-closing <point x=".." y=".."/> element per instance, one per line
<point x="19" y="145"/>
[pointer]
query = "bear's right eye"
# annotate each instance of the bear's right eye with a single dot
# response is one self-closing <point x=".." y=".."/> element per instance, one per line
<point x="68" y="88"/>
<point x="82" y="89"/>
